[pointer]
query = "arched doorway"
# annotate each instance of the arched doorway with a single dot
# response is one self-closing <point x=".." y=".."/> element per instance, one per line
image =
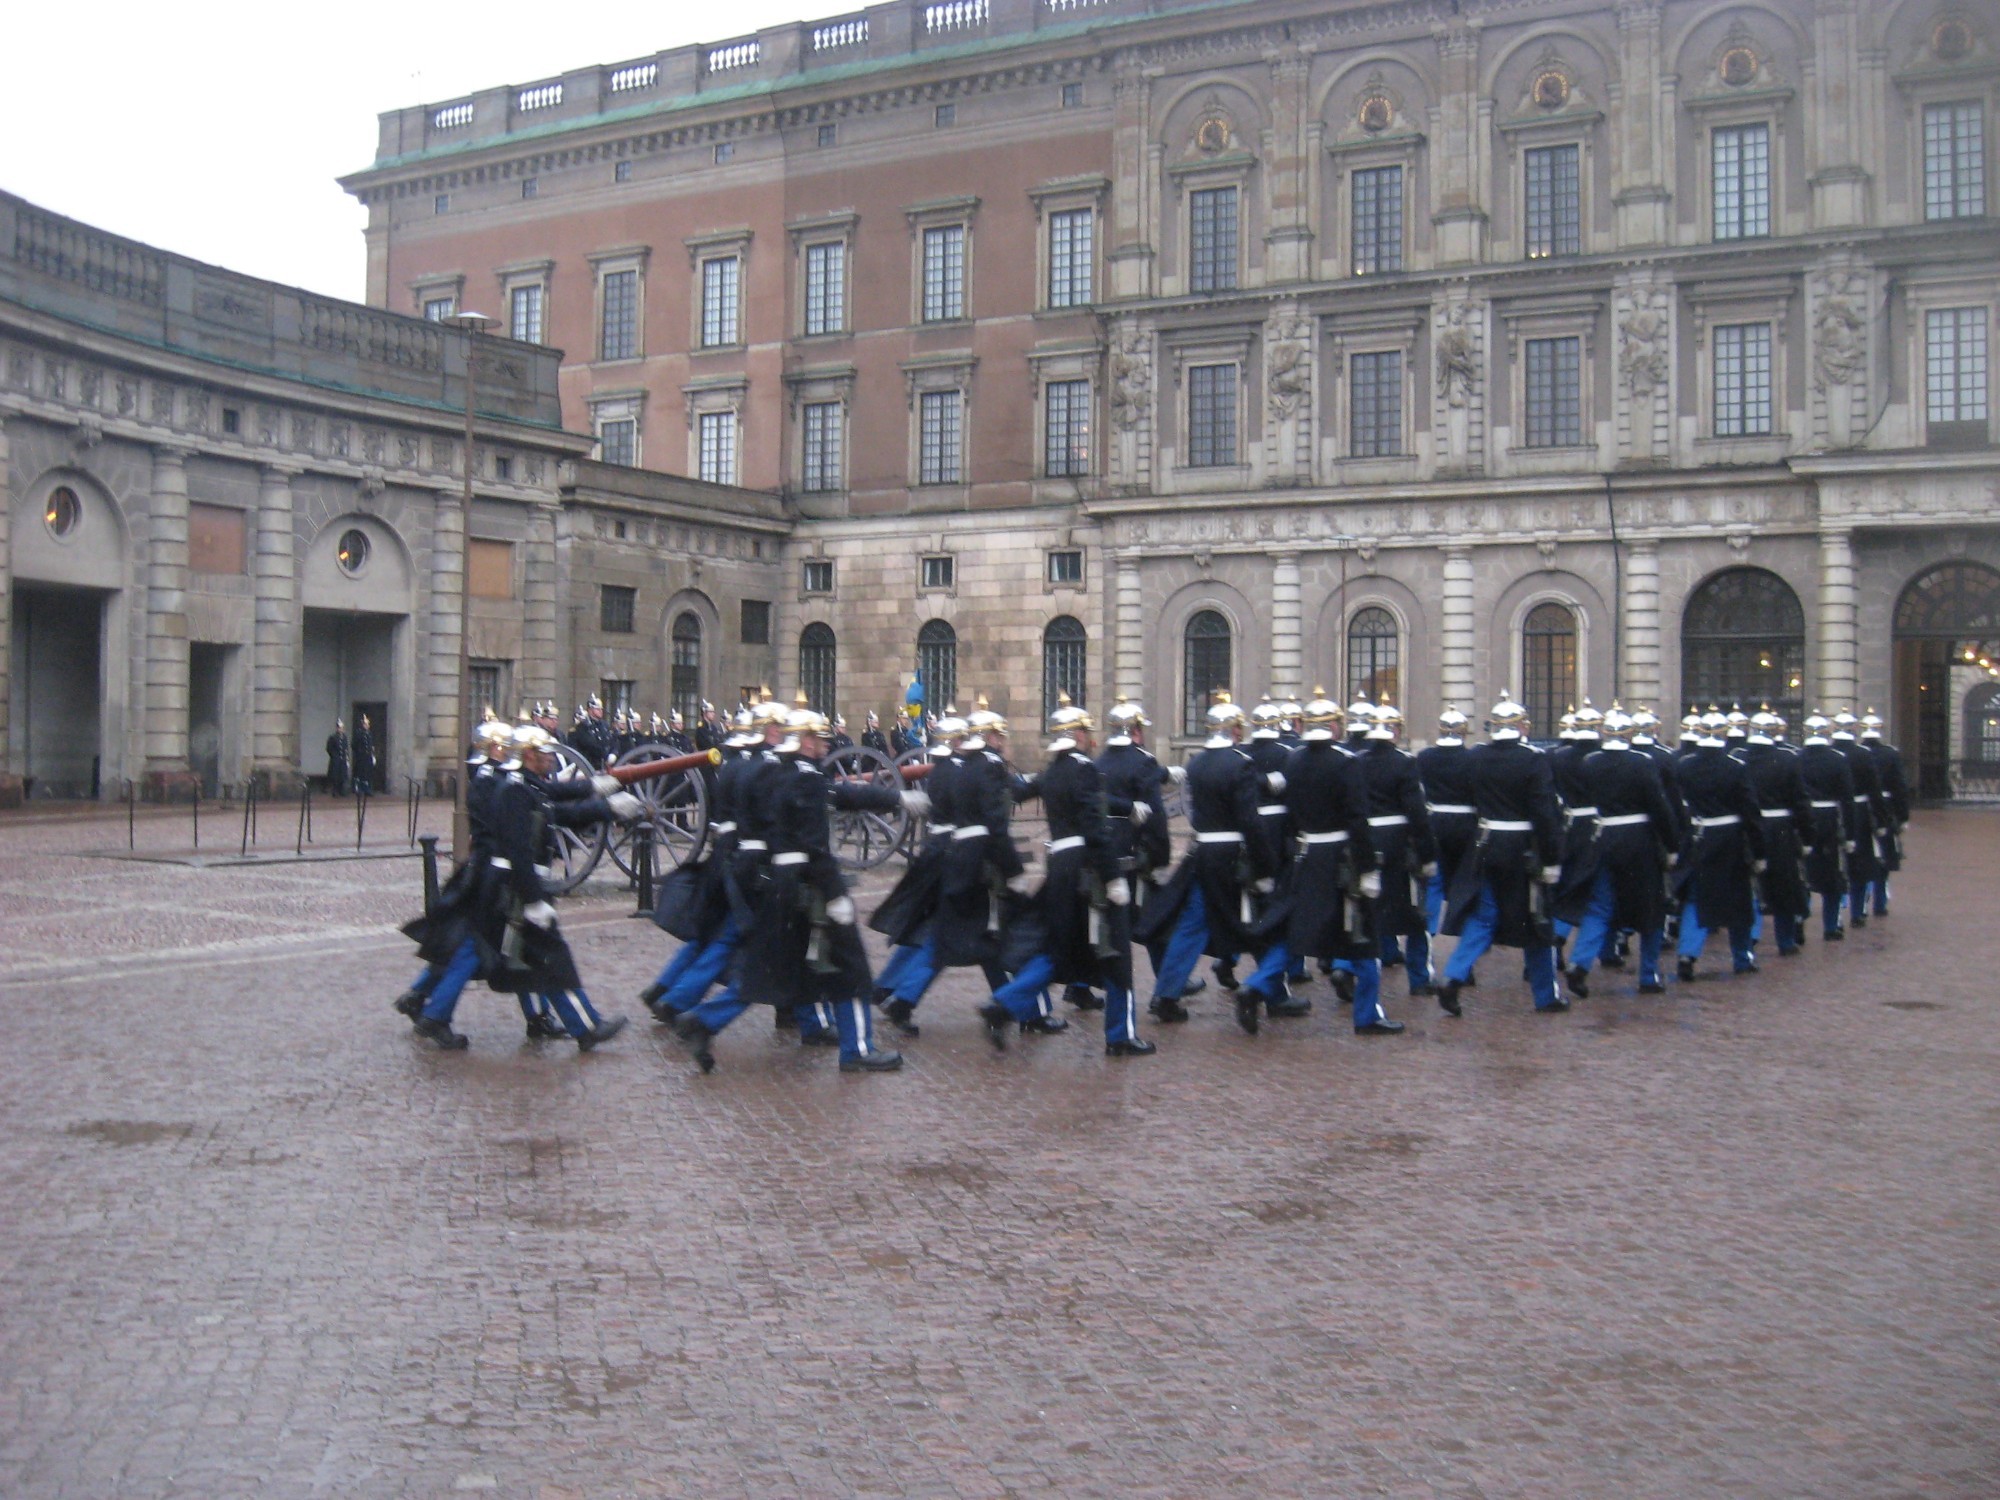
<point x="1743" y="640"/>
<point x="1548" y="666"/>
<point x="937" y="665"/>
<point x="1947" y="644"/>
<point x="684" y="690"/>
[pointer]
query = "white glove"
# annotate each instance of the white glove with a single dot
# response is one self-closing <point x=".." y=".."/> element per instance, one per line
<point x="1265" y="886"/>
<point x="1160" y="876"/>
<point x="625" y="807"/>
<point x="1758" y="866"/>
<point x="1275" y="781"/>
<point x="1177" y="774"/>
<point x="1119" y="892"/>
<point x="1019" y="884"/>
<point x="840" y="911"/>
<point x="605" y="784"/>
<point x="1371" y="884"/>
<point x="917" y="804"/>
<point x="1551" y="874"/>
<point x="539" y="914"/>
<point x="1428" y="869"/>
<point x="1806" y="850"/>
<point x="1848" y="847"/>
<point x="1141" y="811"/>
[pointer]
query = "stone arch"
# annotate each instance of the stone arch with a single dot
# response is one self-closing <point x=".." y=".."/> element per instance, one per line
<point x="1399" y="74"/>
<point x="1170" y="635"/>
<point x="1336" y="612"/>
<point x="1674" y="51"/>
<point x="1540" y="37"/>
<point x="1593" y="630"/>
<point x="386" y="585"/>
<point x="95" y="555"/>
<point x="691" y="601"/>
<point x="1177" y="113"/>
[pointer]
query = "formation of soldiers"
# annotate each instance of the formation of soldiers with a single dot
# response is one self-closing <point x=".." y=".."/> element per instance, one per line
<point x="1315" y="839"/>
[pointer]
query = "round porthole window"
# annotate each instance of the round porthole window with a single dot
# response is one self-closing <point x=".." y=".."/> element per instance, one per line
<point x="353" y="553"/>
<point x="63" y="512"/>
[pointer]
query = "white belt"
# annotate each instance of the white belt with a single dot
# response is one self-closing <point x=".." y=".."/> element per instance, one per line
<point x="1218" y="838"/>
<point x="1273" y="809"/>
<point x="970" y="831"/>
<point x="751" y="846"/>
<point x="1451" y="807"/>
<point x="789" y="857"/>
<point x="943" y="827"/>
<point x="544" y="872"/>
<point x="722" y="828"/>
<point x="1503" y="825"/>
<point x="1777" y="812"/>
<point x="1338" y="836"/>
<point x="500" y="862"/>
<point x="1826" y="804"/>
<point x="1074" y="841"/>
<point x="1389" y="820"/>
<point x="1722" y="822"/>
<point x="1622" y="820"/>
<point x="1583" y="812"/>
<point x="1862" y="798"/>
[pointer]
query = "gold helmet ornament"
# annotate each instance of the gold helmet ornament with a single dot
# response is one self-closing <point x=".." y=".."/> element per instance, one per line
<point x="1588" y="721"/>
<point x="983" y="721"/>
<point x="1069" y="720"/>
<point x="1385" y="723"/>
<point x="1225" y="712"/>
<point x="1617" y="724"/>
<point x="1125" y="716"/>
<point x="1871" y="725"/>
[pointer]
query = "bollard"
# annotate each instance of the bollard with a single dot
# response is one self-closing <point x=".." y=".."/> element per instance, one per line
<point x="416" y="801"/>
<point x="197" y="815"/>
<point x="249" y="816"/>
<point x="305" y="812"/>
<point x="430" y="843"/>
<point x="132" y="815"/>
<point x="360" y="818"/>
<point x="642" y="867"/>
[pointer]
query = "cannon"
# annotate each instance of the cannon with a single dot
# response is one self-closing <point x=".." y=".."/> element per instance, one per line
<point x="674" y="791"/>
<point x="863" y="840"/>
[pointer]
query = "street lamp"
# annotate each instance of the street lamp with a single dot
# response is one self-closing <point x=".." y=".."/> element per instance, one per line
<point x="473" y="325"/>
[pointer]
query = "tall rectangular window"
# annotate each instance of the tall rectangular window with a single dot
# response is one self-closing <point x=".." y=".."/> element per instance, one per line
<point x="1211" y="416"/>
<point x="826" y="287"/>
<point x="756" y="622"/>
<point x="524" y="314"/>
<point x="1555" y="393"/>
<point x="1375" y="404"/>
<point x="614" y="609"/>
<point x="1066" y="428"/>
<point x="944" y="273"/>
<point x="616" y="693"/>
<point x="940" y="435"/>
<point x="721" y="287"/>
<point x="618" y="338"/>
<point x="1741" y="157"/>
<point x="718" y="447"/>
<point x="1212" y="240"/>
<point x="1955" y="364"/>
<point x="822" y="447"/>
<point x="1554" y="201"/>
<point x="1378" y="220"/>
<point x="1743" y="380"/>
<point x="1072" y="241"/>
<point x="437" y="309"/>
<point x="618" y="441"/>
<point x="1954" y="160"/>
<point x="818" y="575"/>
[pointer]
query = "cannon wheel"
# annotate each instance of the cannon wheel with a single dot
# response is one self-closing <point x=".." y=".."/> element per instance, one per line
<point x="916" y="755"/>
<point x="1173" y="798"/>
<point x="676" y="811"/>
<point x="576" y="851"/>
<point x="863" y="840"/>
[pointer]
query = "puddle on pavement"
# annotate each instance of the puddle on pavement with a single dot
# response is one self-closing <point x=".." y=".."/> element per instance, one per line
<point x="1913" y="1005"/>
<point x="132" y="1132"/>
<point x="965" y="1174"/>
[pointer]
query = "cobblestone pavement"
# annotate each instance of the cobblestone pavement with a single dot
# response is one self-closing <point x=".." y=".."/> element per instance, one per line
<point x="1743" y="1240"/>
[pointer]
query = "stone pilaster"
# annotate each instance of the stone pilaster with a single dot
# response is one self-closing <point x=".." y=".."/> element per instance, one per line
<point x="1455" y="664"/>
<point x="166" y="732"/>
<point x="1458" y="400"/>
<point x="1135" y="186"/>
<point x="535" y="673"/>
<point x="278" y="652"/>
<point x="1834" y="136"/>
<point x="1290" y="357"/>
<point x="447" y="620"/>
<point x="1643" y="111"/>
<point x="1129" y="644"/>
<point x="1460" y="152"/>
<point x="1287" y="648"/>
<point x="1288" y="241"/>
<point x="1838" y="675"/>
<point x="1640" y="671"/>
<point x="1643" y="317"/>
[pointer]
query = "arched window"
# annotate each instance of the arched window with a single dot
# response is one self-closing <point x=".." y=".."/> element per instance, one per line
<point x="1548" y="666"/>
<point x="1064" y="644"/>
<point x="937" y="664"/>
<point x="816" y="666"/>
<point x="1374" y="656"/>
<point x="1951" y="600"/>
<point x="1205" y="667"/>
<point x="1982" y="727"/>
<point x="1743" y="640"/>
<point x="686" y="691"/>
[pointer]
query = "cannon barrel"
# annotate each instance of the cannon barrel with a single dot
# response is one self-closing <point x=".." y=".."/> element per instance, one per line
<point x="917" y="772"/>
<point x="648" y="769"/>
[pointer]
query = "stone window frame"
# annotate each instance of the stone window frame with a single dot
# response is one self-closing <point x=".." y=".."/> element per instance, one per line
<point x="832" y="566"/>
<point x="1581" y="128"/>
<point x="1936" y="289"/>
<point x="821" y="385"/>
<point x="1065" y="362"/>
<point x="605" y="263"/>
<point x="1764" y="300"/>
<point x="519" y="277"/>
<point x="1068" y="195"/>
<point x="619" y="406"/>
<point x="718" y="245"/>
<point x="1077" y="585"/>
<point x="1972" y="81"/>
<point x="1350" y="609"/>
<point x="714" y="395"/>
<point x="942" y="213"/>
<point x="1517" y="637"/>
<point x="1403" y="149"/>
<point x="1755" y="106"/>
<point x="1574" y="317"/>
<point x="1235" y="169"/>
<point x="934" y="374"/>
<point x="436" y="287"/>
<point x="1377" y="332"/>
<point x="823" y="229"/>
<point x="1233" y="344"/>
<point x="941" y="554"/>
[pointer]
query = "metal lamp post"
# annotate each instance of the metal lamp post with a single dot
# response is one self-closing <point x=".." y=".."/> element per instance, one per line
<point x="473" y="325"/>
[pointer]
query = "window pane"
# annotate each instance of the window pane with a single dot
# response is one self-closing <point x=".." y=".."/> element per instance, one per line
<point x="720" y="280"/>
<point x="944" y="273"/>
<point x="1066" y="435"/>
<point x="1378" y="220"/>
<point x="437" y="309"/>
<point x="1071" y="236"/>
<point x="615" y="609"/>
<point x="686" y="683"/>
<point x="1555" y="202"/>
<point x="1211" y="415"/>
<point x="1064" y="647"/>
<point x="1205" y="668"/>
<point x="818" y="575"/>
<point x="1548" y="671"/>
<point x="618" y="441"/>
<point x="1742" y="161"/>
<point x="1212" y="240"/>
<point x="822" y="447"/>
<point x="1743" y="380"/>
<point x="1555" y="398"/>
<point x="718" y="447"/>
<point x="939" y="438"/>
<point x="826" y="287"/>
<point x="525" y="314"/>
<point x="1743" y="640"/>
<point x="1374" y="657"/>
<point x="756" y="622"/>
<point x="620" y="334"/>
<point x="1954" y="160"/>
<point x="1955" y="364"/>
<point x="1376" y="418"/>
<point x="937" y="664"/>
<point x="817" y="653"/>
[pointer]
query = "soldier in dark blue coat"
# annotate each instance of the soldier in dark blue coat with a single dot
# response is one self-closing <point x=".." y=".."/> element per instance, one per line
<point x="906" y="913"/>
<point x="1829" y="789"/>
<point x="1871" y="817"/>
<point x="591" y="738"/>
<point x="1404" y="845"/>
<point x="1501" y="894"/>
<point x="1134" y="794"/>
<point x="1895" y="804"/>
<point x="1444" y="769"/>
<point x="1269" y="750"/>
<point x="1786" y="815"/>
<point x="1727" y="850"/>
<point x="1581" y="739"/>
<point x="1636" y="839"/>
<point x="339" y="758"/>
<point x="872" y="736"/>
<point x="696" y="898"/>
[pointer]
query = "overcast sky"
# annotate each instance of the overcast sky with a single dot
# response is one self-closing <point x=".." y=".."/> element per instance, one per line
<point x="217" y="129"/>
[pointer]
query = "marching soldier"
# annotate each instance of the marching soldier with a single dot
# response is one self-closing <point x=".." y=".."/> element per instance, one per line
<point x="1501" y="893"/>
<point x="1268" y="753"/>
<point x="907" y="913"/>
<point x="1404" y="847"/>
<point x="1727" y="850"/>
<point x="1829" y="788"/>
<point x="1580" y="740"/>
<point x="1444" y="769"/>
<point x="1896" y="802"/>
<point x="1780" y="790"/>
<point x="695" y="903"/>
<point x="1637" y="835"/>
<point x="1133" y="786"/>
<point x="711" y="733"/>
<point x="1871" y="817"/>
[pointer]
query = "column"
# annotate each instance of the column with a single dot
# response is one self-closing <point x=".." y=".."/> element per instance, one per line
<point x="441" y="649"/>
<point x="535" y="673"/>
<point x="1837" y="621"/>
<point x="277" y="658"/>
<point x="1639" y="195"/>
<point x="1135" y="187"/>
<point x="1287" y="651"/>
<point x="1458" y="157"/>
<point x="1640" y="671"/>
<point x="1455" y="665"/>
<point x="1833" y="130"/>
<point x="1288" y="240"/>
<point x="1129" y="646"/>
<point x="166" y="734"/>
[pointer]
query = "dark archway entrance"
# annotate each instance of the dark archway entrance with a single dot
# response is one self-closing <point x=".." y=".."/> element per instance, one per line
<point x="1947" y="648"/>
<point x="56" y="682"/>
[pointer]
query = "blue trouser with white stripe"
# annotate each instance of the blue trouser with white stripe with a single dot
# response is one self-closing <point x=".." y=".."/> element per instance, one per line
<point x="1184" y="946"/>
<point x="1024" y="997"/>
<point x="706" y="963"/>
<point x="1367" y="991"/>
<point x="573" y="1008"/>
<point x="1538" y="960"/>
<point x="1268" y="977"/>
<point x="852" y="1020"/>
<point x="903" y="963"/>
<point x="1413" y="952"/>
<point x="1595" y="934"/>
<point x="451" y="982"/>
<point x="1694" y="937"/>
